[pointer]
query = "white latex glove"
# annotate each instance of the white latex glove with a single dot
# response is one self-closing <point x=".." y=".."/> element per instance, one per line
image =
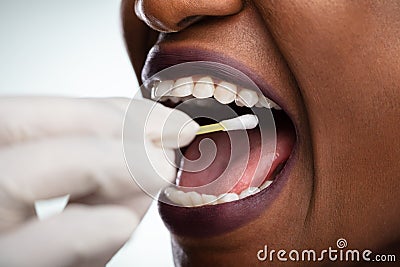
<point x="50" y="147"/>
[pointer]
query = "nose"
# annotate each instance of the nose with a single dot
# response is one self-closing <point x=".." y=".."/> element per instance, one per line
<point x="175" y="15"/>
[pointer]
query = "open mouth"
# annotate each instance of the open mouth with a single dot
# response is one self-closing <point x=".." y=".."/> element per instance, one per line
<point x="251" y="176"/>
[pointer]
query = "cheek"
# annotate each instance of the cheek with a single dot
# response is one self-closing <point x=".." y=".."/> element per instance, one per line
<point x="137" y="36"/>
<point x="345" y="57"/>
<point x="340" y="51"/>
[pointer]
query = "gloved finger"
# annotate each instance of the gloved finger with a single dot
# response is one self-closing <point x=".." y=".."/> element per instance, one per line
<point x="163" y="126"/>
<point x="76" y="166"/>
<point x="25" y="118"/>
<point x="80" y="236"/>
<point x="138" y="203"/>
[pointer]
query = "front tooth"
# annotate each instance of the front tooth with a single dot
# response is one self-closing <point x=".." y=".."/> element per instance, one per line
<point x="169" y="191"/>
<point x="223" y="198"/>
<point x="225" y="92"/>
<point x="239" y="102"/>
<point x="204" y="88"/>
<point x="196" y="198"/>
<point x="185" y="199"/>
<point x="162" y="89"/>
<point x="264" y="101"/>
<point x="248" y="97"/>
<point x="249" y="191"/>
<point x="183" y="87"/>
<point x="265" y="185"/>
<point x="268" y="103"/>
<point x="209" y="199"/>
<point x="174" y="195"/>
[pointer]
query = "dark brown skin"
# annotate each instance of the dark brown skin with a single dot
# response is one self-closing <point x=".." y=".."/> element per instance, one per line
<point x="336" y="64"/>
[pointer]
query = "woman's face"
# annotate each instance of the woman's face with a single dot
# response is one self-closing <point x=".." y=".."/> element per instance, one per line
<point x="334" y="67"/>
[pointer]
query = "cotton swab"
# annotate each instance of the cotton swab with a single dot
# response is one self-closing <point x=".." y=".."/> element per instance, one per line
<point x="243" y="122"/>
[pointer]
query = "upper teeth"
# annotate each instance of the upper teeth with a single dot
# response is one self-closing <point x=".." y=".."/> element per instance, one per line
<point x="224" y="92"/>
<point x="182" y="87"/>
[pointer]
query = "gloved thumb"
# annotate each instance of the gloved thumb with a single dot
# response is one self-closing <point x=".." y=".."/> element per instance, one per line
<point x="170" y="128"/>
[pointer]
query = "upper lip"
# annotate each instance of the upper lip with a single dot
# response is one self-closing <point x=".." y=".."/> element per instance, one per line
<point x="228" y="216"/>
<point x="161" y="57"/>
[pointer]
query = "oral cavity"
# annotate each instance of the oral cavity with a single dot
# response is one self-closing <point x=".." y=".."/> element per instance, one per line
<point x="190" y="192"/>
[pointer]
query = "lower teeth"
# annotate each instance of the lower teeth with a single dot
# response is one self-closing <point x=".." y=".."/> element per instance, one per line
<point x="194" y="199"/>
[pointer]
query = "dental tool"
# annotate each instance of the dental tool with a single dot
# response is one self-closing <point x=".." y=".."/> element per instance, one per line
<point x="243" y="122"/>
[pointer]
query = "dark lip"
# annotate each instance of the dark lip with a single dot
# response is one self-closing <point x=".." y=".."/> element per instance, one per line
<point x="218" y="219"/>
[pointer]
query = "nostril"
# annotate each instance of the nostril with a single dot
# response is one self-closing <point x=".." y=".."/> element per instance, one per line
<point x="188" y="21"/>
<point x="175" y="15"/>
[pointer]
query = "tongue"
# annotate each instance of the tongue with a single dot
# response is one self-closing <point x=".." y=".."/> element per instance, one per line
<point x="232" y="168"/>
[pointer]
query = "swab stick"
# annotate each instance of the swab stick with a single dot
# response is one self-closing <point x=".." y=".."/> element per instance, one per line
<point x="243" y="122"/>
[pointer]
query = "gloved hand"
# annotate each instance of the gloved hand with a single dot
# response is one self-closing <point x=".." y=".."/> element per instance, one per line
<point x="50" y="147"/>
